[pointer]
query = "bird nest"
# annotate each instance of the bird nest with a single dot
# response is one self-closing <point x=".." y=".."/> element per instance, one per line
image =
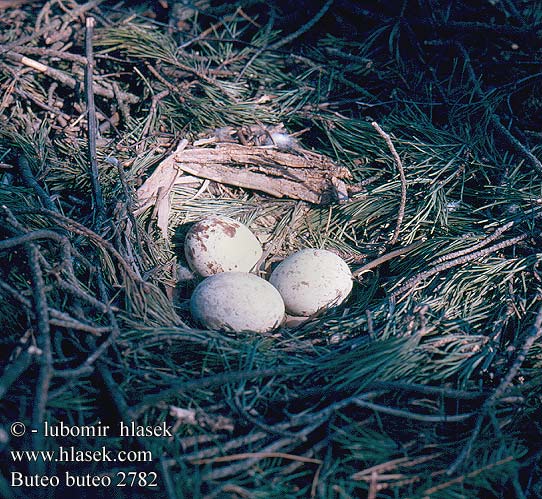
<point x="412" y="157"/>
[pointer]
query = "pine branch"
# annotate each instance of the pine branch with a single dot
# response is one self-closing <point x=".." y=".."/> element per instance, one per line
<point x="484" y="242"/>
<point x="532" y="335"/>
<point x="409" y="285"/>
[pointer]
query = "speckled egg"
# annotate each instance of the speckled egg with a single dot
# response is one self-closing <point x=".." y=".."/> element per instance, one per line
<point x="221" y="244"/>
<point x="311" y="281"/>
<point x="237" y="301"/>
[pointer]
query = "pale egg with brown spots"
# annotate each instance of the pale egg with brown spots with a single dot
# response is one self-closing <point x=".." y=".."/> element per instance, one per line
<point x="221" y="244"/>
<point x="311" y="281"/>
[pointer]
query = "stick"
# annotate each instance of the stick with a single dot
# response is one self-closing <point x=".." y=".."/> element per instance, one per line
<point x="304" y="28"/>
<point x="14" y="370"/>
<point x="45" y="52"/>
<point x="399" y="164"/>
<point x="260" y="455"/>
<point x="67" y="80"/>
<point x="208" y="381"/>
<point x="32" y="236"/>
<point x="400" y="413"/>
<point x="263" y="48"/>
<point x="44" y="344"/>
<point x="127" y="416"/>
<point x="92" y="125"/>
<point x="481" y="244"/>
<point x="77" y="228"/>
<point x="385" y="258"/>
<point x="31" y="182"/>
<point x="55" y="24"/>
<point x="56" y="317"/>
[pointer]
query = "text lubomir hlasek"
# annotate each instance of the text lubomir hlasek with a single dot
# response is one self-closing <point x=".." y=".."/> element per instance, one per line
<point x="124" y="430"/>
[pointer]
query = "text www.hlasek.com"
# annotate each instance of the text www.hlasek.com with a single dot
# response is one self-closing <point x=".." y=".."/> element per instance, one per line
<point x="73" y="455"/>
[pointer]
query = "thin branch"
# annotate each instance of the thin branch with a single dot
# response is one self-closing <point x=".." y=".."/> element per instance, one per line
<point x="271" y="448"/>
<point x="384" y="258"/>
<point x="79" y="293"/>
<point x="449" y="27"/>
<point x="399" y="163"/>
<point x="315" y="419"/>
<point x="426" y="389"/>
<point x="213" y="380"/>
<point x="260" y="455"/>
<point x="54" y="25"/>
<point x="262" y="49"/>
<point x="32" y="236"/>
<point x="27" y="95"/>
<point x="168" y="482"/>
<point x="303" y="29"/>
<point x="66" y="79"/>
<point x="92" y="125"/>
<point x="460" y="479"/>
<point x="73" y="226"/>
<point x="46" y="52"/>
<point x="115" y="333"/>
<point x="412" y="415"/>
<point x="44" y="344"/>
<point x="14" y="370"/>
<point x="127" y="415"/>
<point x="70" y="323"/>
<point x="125" y="411"/>
<point x="87" y="366"/>
<point x="515" y="143"/>
<point x="130" y="209"/>
<point x="56" y="317"/>
<point x="30" y="181"/>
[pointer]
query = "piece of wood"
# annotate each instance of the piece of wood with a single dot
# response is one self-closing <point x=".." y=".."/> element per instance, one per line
<point x="307" y="176"/>
<point x="277" y="187"/>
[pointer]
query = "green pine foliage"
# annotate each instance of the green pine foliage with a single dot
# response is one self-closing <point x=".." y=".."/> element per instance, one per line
<point x="375" y="399"/>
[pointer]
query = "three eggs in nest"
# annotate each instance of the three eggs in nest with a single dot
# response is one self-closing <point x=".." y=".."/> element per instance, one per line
<point x="224" y="252"/>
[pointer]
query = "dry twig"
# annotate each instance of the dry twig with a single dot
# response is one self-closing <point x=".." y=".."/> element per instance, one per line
<point x="385" y="258"/>
<point x="92" y="125"/>
<point x="67" y="80"/>
<point x="399" y="163"/>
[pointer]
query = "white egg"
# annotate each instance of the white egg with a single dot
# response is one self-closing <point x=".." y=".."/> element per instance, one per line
<point x="237" y="301"/>
<point x="311" y="281"/>
<point x="221" y="244"/>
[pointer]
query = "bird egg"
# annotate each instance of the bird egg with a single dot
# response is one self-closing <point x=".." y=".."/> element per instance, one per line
<point x="237" y="301"/>
<point x="221" y="244"/>
<point x="311" y="281"/>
